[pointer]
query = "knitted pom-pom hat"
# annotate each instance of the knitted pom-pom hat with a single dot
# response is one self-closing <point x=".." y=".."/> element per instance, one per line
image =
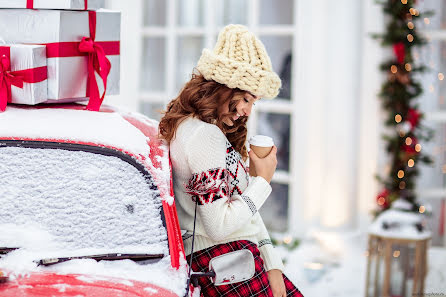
<point x="239" y="60"/>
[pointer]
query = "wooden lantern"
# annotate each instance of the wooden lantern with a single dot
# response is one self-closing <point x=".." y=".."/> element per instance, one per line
<point x="396" y="267"/>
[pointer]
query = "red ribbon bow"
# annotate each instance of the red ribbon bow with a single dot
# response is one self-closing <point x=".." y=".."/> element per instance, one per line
<point x="7" y="78"/>
<point x="97" y="62"/>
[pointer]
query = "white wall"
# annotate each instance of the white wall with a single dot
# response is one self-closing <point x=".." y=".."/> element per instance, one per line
<point x="338" y="82"/>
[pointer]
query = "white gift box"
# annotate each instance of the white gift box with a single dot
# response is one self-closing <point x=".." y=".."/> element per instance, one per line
<point x="32" y="59"/>
<point x="53" y="4"/>
<point x="61" y="31"/>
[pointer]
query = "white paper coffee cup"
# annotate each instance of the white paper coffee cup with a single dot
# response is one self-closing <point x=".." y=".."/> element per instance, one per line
<point x="261" y="145"/>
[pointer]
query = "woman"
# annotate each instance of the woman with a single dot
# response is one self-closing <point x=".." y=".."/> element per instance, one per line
<point x="206" y="129"/>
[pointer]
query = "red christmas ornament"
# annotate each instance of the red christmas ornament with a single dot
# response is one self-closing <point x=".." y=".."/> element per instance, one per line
<point x="413" y="117"/>
<point x="400" y="52"/>
<point x="382" y="199"/>
<point x="411" y="148"/>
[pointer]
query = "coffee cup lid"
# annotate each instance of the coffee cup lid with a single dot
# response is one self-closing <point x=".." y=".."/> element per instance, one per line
<point x="261" y="140"/>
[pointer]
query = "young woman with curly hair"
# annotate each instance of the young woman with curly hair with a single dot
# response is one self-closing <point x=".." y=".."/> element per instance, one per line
<point x="206" y="130"/>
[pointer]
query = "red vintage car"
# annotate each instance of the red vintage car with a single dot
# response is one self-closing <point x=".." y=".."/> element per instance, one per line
<point x="87" y="206"/>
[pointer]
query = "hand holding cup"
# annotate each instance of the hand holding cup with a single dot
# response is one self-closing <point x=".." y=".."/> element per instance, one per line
<point x="262" y="157"/>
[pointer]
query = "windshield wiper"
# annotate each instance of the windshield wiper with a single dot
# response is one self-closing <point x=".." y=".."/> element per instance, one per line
<point x="106" y="257"/>
<point x="5" y="250"/>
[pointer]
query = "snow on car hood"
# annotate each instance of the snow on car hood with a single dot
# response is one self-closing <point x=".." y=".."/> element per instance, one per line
<point x="102" y="128"/>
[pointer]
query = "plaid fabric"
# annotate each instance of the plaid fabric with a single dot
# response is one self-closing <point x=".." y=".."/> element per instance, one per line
<point x="256" y="286"/>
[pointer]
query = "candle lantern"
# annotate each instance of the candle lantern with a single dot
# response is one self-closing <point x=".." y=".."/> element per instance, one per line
<point x="396" y="267"/>
<point x="397" y="255"/>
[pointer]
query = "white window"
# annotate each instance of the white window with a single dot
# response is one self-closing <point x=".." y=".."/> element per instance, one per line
<point x="432" y="181"/>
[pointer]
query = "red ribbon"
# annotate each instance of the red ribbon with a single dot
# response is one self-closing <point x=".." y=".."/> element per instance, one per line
<point x="30" y="4"/>
<point x="97" y="62"/>
<point x="16" y="78"/>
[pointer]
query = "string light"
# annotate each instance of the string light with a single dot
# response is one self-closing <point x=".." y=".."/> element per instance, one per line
<point x="410" y="163"/>
<point x="422" y="209"/>
<point x="409" y="37"/>
<point x="402" y="185"/>
<point x="408" y="141"/>
<point x="287" y="240"/>
<point x="418" y="147"/>
<point x="427" y="21"/>
<point x="412" y="11"/>
<point x="410" y="25"/>
<point x="381" y="201"/>
<point x="396" y="254"/>
<point x="408" y="67"/>
<point x="400" y="173"/>
<point x="366" y="253"/>
<point x="393" y="69"/>
<point x="440" y="76"/>
<point x="404" y="1"/>
<point x="398" y="118"/>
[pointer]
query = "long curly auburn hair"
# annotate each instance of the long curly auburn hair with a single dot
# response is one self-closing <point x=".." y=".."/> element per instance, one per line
<point x="204" y="99"/>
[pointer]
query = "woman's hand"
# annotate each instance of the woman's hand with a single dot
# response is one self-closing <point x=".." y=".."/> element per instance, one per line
<point x="276" y="283"/>
<point x="265" y="167"/>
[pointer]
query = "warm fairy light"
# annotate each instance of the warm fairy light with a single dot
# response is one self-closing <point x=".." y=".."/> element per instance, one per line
<point x="410" y="37"/>
<point x="393" y="69"/>
<point x="402" y="185"/>
<point x="398" y="118"/>
<point x="410" y="163"/>
<point x="410" y="25"/>
<point x="366" y="253"/>
<point x="444" y="169"/>
<point x="396" y="254"/>
<point x="408" y="141"/>
<point x="422" y="209"/>
<point x="440" y="76"/>
<point x="418" y="147"/>
<point x="431" y="88"/>
<point x="427" y="21"/>
<point x="287" y="240"/>
<point x="412" y="11"/>
<point x="404" y="1"/>
<point x="400" y="173"/>
<point x="417" y="13"/>
<point x="381" y="200"/>
<point x="408" y="67"/>
<point x="314" y="266"/>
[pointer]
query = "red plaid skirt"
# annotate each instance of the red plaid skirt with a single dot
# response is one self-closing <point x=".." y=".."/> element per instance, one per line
<point x="258" y="285"/>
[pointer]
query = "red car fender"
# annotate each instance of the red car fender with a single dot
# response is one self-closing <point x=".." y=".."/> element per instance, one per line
<point x="56" y="285"/>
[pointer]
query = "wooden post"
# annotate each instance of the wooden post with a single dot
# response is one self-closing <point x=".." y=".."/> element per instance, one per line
<point x="369" y="261"/>
<point x="387" y="267"/>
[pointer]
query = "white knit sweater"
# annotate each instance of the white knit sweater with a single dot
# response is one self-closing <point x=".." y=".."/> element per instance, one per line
<point x="207" y="168"/>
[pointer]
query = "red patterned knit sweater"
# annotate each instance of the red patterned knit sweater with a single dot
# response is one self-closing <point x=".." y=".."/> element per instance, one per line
<point x="207" y="168"/>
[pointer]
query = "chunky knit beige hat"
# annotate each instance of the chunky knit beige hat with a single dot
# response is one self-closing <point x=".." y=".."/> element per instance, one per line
<point x="239" y="60"/>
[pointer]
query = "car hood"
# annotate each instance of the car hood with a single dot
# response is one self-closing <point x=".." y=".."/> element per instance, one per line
<point x="76" y="285"/>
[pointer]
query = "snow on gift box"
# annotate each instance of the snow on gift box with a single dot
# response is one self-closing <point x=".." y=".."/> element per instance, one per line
<point x="23" y="74"/>
<point x="53" y="4"/>
<point x="81" y="48"/>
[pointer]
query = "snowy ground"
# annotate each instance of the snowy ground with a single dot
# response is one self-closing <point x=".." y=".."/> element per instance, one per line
<point x="343" y="268"/>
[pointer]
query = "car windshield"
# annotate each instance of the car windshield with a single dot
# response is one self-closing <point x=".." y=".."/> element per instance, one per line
<point x="78" y="200"/>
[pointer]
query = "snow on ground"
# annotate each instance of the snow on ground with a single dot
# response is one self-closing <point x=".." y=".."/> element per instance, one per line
<point x="334" y="264"/>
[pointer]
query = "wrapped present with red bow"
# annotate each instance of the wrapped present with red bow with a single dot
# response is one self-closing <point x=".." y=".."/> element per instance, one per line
<point x="82" y="49"/>
<point x="23" y="74"/>
<point x="53" y="4"/>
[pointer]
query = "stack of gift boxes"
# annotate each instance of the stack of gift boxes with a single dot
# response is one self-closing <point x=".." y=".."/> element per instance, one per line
<point x="58" y="51"/>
